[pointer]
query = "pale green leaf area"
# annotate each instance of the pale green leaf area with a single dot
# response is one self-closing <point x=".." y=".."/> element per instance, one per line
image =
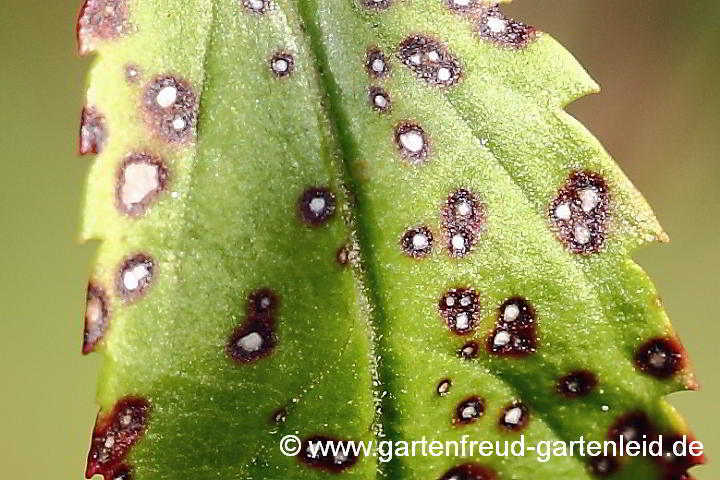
<point x="360" y="350"/>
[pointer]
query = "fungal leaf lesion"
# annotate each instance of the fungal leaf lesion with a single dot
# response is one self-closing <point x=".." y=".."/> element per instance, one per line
<point x="358" y="220"/>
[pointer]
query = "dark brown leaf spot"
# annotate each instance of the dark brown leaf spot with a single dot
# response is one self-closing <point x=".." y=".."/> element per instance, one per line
<point x="376" y="63"/>
<point x="430" y="60"/>
<point x="312" y="454"/>
<point x="279" y="415"/>
<point x="633" y="427"/>
<point x="115" y="434"/>
<point x="380" y="100"/>
<point x="133" y="73"/>
<point x="262" y="302"/>
<point x="282" y="64"/>
<point x="253" y="340"/>
<point x="460" y="307"/>
<point x="257" y="6"/>
<point x="443" y="388"/>
<point x="417" y="242"/>
<point x="493" y="26"/>
<point x="317" y="205"/>
<point x="464" y="220"/>
<point x="377" y="4"/>
<point x="515" y="417"/>
<point x="514" y="333"/>
<point x="580" y="212"/>
<point x="469" y="471"/>
<point x="677" y="466"/>
<point x="103" y="20"/>
<point x="469" y="351"/>
<point x="97" y="317"/>
<point x="171" y="108"/>
<point x="135" y="275"/>
<point x="412" y="142"/>
<point x="660" y="357"/>
<point x="469" y="410"/>
<point x="603" y="467"/>
<point x="577" y="384"/>
<point x="93" y="131"/>
<point x="140" y="179"/>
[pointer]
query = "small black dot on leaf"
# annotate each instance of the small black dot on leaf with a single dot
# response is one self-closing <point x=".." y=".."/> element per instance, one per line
<point x="443" y="387"/>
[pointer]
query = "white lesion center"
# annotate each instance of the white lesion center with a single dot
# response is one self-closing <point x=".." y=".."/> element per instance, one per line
<point x="140" y="180"/>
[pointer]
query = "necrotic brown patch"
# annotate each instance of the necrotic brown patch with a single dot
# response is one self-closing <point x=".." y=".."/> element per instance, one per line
<point x="376" y="63"/>
<point x="577" y="384"/>
<point x="115" y="434"/>
<point x="97" y="317"/>
<point x="417" y="242"/>
<point x="603" y="467"/>
<point x="140" y="179"/>
<point x="464" y="219"/>
<point x="412" y="142"/>
<point x="430" y="60"/>
<point x="101" y="20"/>
<point x="317" y="205"/>
<point x="135" y="275"/>
<point x="469" y="471"/>
<point x="379" y="100"/>
<point x="580" y="212"/>
<point x="312" y="454"/>
<point x="515" y="416"/>
<point x="93" y="131"/>
<point x="660" y="357"/>
<point x="469" y="410"/>
<point x="460" y="307"/>
<point x="514" y="333"/>
<point x="171" y="108"/>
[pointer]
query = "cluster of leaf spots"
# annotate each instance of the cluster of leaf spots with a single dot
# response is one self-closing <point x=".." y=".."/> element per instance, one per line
<point x="579" y="216"/>
<point x="580" y="212"/>
<point x="255" y="338"/>
<point x="492" y="25"/>
<point x="514" y="333"/>
<point x="460" y="308"/>
<point x="102" y="20"/>
<point x="171" y="108"/>
<point x="430" y="60"/>
<point x="463" y="222"/>
<point x="114" y="435"/>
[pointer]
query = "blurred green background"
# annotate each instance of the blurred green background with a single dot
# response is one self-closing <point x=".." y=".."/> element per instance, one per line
<point x="658" y="115"/>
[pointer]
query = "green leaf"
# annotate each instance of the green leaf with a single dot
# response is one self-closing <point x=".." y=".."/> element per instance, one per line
<point x="354" y="222"/>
